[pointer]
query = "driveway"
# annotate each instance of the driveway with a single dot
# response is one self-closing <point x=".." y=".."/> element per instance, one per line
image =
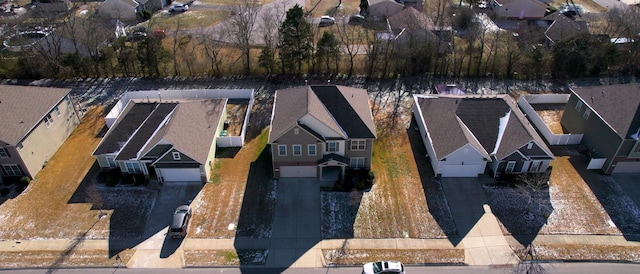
<point x="296" y="224"/>
<point x="156" y="249"/>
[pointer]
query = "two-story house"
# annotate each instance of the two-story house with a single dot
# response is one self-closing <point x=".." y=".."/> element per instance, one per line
<point x="316" y="128"/>
<point x="34" y="123"/>
<point x="466" y="135"/>
<point x="609" y="119"/>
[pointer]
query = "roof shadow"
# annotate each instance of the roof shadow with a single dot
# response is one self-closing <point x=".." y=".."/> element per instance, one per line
<point x="433" y="191"/>
<point x="619" y="195"/>
<point x="139" y="211"/>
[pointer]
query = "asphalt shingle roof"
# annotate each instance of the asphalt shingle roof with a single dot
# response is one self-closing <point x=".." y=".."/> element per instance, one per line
<point x="22" y="107"/>
<point x="343" y="109"/>
<point x="454" y="121"/>
<point x="618" y="105"/>
<point x="145" y="131"/>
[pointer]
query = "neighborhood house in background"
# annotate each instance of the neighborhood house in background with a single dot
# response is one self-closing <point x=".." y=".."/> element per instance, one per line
<point x="35" y="123"/>
<point x="321" y="130"/>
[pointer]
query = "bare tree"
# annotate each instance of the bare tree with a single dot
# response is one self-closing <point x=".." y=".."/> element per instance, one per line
<point x="270" y="19"/>
<point x="212" y="45"/>
<point x="351" y="41"/>
<point x="242" y="26"/>
<point x="177" y="37"/>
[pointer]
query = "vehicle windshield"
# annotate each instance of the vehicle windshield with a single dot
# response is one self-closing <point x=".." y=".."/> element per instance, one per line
<point x="377" y="266"/>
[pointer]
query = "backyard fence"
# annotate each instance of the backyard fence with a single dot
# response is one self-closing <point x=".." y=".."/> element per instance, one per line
<point x="525" y="103"/>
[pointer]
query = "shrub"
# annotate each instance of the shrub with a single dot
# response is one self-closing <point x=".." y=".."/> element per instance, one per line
<point x="25" y="180"/>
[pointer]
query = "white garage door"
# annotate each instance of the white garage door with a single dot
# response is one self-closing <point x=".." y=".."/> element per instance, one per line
<point x="298" y="171"/>
<point x="179" y="174"/>
<point x="627" y="167"/>
<point x="460" y="170"/>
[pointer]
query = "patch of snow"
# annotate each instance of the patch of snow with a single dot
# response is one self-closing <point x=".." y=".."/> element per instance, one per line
<point x="503" y="125"/>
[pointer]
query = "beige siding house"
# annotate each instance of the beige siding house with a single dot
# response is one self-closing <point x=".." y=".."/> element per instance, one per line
<point x="315" y="129"/>
<point x="35" y="122"/>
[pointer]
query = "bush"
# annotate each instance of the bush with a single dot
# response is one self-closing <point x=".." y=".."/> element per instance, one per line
<point x="25" y="180"/>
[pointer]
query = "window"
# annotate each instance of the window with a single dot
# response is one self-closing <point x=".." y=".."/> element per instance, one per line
<point x="535" y="166"/>
<point x="19" y="146"/>
<point x="133" y="167"/>
<point x="296" y="131"/>
<point x="12" y="170"/>
<point x="311" y="150"/>
<point x="176" y="156"/>
<point x="297" y="150"/>
<point x="332" y="146"/>
<point x="578" y="106"/>
<point x="68" y="101"/>
<point x="48" y="120"/>
<point x="586" y="114"/>
<point x="358" y="144"/>
<point x="529" y="145"/>
<point x="282" y="150"/>
<point x="3" y="153"/>
<point x="510" y="166"/>
<point x="57" y="111"/>
<point x="357" y="162"/>
<point x="111" y="162"/>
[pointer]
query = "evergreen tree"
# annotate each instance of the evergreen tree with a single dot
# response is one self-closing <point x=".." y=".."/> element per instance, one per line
<point x="295" y="40"/>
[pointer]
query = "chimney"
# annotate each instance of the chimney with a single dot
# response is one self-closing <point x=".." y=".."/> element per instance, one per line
<point x="160" y="97"/>
<point x="603" y="94"/>
<point x="592" y="102"/>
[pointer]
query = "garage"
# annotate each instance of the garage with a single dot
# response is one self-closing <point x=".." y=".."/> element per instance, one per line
<point x="298" y="171"/>
<point x="627" y="167"/>
<point x="461" y="170"/>
<point x="179" y="174"/>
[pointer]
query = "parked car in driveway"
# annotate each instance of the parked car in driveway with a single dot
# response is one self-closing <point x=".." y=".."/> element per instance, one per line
<point x="179" y="8"/>
<point x="383" y="267"/>
<point x="326" y="21"/>
<point x="180" y="222"/>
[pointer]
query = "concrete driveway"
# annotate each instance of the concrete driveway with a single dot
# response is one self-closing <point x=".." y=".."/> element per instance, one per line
<point x="156" y="249"/>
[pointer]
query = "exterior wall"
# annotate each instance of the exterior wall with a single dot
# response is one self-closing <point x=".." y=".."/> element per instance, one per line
<point x="599" y="138"/>
<point x="360" y="153"/>
<point x="157" y="151"/>
<point x="289" y="139"/>
<point x="42" y="142"/>
<point x="534" y="151"/>
<point x="102" y="161"/>
<point x="208" y="166"/>
<point x="13" y="159"/>
<point x="424" y="135"/>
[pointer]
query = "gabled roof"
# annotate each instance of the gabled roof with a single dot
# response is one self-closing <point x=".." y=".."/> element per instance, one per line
<point x="410" y="18"/>
<point x="493" y="125"/>
<point x="23" y="107"/>
<point x="189" y="126"/>
<point x="342" y="109"/>
<point x="192" y="128"/>
<point x="618" y="105"/>
<point x="563" y="27"/>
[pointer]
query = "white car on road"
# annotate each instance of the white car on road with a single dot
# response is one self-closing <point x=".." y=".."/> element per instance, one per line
<point x="383" y="267"/>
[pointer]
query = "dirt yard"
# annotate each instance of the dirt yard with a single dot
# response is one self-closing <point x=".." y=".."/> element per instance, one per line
<point x="551" y="114"/>
<point x="43" y="211"/>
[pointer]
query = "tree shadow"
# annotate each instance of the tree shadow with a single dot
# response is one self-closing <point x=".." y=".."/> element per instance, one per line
<point x="436" y="200"/>
<point x="227" y="152"/>
<point x="616" y="198"/>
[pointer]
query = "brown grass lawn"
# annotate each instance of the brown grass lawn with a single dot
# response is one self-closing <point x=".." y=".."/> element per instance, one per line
<point x="189" y="19"/>
<point x="221" y="202"/>
<point x="396" y="206"/>
<point x="52" y="260"/>
<point x="552" y="119"/>
<point x="233" y="2"/>
<point x="44" y="211"/>
<point x="408" y="256"/>
<point x="584" y="253"/>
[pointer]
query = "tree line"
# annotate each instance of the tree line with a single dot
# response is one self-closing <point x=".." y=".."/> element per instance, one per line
<point x="275" y="40"/>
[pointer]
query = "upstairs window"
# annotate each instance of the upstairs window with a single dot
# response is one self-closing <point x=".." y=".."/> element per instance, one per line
<point x="586" y="114"/>
<point x="297" y="150"/>
<point x="332" y="146"/>
<point x="48" y="120"/>
<point x="57" y="111"/>
<point x="311" y="150"/>
<point x="3" y="153"/>
<point x="579" y="106"/>
<point x="282" y="150"/>
<point x="358" y="144"/>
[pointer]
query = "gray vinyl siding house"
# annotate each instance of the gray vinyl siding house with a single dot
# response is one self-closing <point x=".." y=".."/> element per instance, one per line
<point x="35" y="122"/>
<point x="609" y="119"/>
<point x="466" y="135"/>
<point x="171" y="140"/>
<point x="318" y="128"/>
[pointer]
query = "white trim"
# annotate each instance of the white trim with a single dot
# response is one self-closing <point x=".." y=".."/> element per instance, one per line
<point x="315" y="149"/>
<point x="176" y="155"/>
